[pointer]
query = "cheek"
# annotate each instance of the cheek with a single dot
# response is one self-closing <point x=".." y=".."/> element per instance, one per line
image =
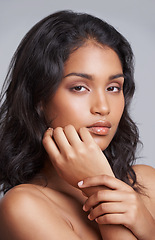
<point x="121" y="108"/>
<point x="67" y="112"/>
<point x="118" y="109"/>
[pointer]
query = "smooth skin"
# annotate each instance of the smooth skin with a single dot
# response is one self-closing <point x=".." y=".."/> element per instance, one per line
<point x="120" y="212"/>
<point x="91" y="91"/>
<point x="120" y="205"/>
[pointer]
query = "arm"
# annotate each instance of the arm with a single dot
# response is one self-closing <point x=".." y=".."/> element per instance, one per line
<point x="95" y="188"/>
<point x="121" y="208"/>
<point x="25" y="216"/>
<point x="78" y="158"/>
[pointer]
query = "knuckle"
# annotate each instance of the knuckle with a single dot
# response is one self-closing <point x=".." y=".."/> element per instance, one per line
<point x="103" y="207"/>
<point x="69" y="155"/>
<point x="107" y="219"/>
<point x="104" y="179"/>
<point x="58" y="158"/>
<point x="57" y="130"/>
<point x="92" y="147"/>
<point x="81" y="151"/>
<point x="99" y="195"/>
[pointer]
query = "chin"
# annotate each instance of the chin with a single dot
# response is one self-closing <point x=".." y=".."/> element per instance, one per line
<point x="102" y="144"/>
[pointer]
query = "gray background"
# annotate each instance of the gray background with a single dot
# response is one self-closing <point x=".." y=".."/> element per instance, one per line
<point x="135" y="19"/>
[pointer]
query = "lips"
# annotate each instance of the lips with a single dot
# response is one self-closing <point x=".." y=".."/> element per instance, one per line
<point x="100" y="128"/>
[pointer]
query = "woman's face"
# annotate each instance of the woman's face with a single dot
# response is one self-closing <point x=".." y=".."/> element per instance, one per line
<point x="90" y="94"/>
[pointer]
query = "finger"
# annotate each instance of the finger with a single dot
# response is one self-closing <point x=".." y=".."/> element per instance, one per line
<point x="72" y="136"/>
<point x="107" y="208"/>
<point x="49" y="144"/>
<point x="104" y="180"/>
<point x="86" y="136"/>
<point x="104" y="196"/>
<point x="61" y="140"/>
<point x="116" y="218"/>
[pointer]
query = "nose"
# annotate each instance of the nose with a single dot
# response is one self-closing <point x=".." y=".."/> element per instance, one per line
<point x="100" y="104"/>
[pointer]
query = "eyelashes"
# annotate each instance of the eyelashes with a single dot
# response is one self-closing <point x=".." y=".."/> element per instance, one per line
<point x="114" y="89"/>
<point x="79" y="88"/>
<point x="82" y="88"/>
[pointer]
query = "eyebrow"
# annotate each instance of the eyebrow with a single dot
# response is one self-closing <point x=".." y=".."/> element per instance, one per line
<point x="120" y="75"/>
<point x="90" y="77"/>
<point x="82" y="75"/>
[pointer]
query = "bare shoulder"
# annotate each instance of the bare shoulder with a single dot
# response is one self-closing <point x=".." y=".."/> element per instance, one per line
<point x="145" y="175"/>
<point x="146" y="178"/>
<point x="19" y="196"/>
<point x="26" y="214"/>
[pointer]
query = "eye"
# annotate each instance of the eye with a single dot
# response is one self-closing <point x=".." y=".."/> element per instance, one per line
<point x="114" y="89"/>
<point x="79" y="88"/>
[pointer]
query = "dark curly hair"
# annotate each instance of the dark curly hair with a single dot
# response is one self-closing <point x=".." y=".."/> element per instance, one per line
<point x="34" y="75"/>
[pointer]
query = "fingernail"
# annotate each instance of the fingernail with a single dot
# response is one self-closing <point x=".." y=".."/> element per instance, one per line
<point x="84" y="208"/>
<point x="80" y="183"/>
<point x="51" y="130"/>
<point x="89" y="216"/>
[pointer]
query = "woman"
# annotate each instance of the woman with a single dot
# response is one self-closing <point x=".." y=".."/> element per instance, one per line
<point x="66" y="130"/>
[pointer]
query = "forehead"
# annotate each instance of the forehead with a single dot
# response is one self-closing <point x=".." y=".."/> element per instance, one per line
<point x="93" y="58"/>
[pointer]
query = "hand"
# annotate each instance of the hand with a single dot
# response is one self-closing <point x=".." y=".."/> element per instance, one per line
<point x="75" y="155"/>
<point x="120" y="205"/>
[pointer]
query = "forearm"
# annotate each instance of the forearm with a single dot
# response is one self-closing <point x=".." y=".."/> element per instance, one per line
<point x="106" y="207"/>
<point x="119" y="232"/>
<point x="111" y="232"/>
<point x="116" y="232"/>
